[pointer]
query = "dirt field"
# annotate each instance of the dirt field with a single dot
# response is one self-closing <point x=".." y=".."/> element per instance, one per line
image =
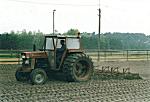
<point x="95" y="90"/>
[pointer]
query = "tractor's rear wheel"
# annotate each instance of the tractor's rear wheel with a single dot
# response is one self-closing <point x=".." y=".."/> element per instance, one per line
<point x="78" y="67"/>
<point x="38" y="76"/>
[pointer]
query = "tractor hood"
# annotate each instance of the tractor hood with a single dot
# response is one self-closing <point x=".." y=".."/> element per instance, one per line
<point x="35" y="54"/>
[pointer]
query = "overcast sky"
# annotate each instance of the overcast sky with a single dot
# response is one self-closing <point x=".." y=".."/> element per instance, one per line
<point x="117" y="15"/>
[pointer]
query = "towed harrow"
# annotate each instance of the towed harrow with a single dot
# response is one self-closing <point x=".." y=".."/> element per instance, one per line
<point x="109" y="72"/>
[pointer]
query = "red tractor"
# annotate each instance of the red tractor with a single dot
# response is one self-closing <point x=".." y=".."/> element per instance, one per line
<point x="61" y="54"/>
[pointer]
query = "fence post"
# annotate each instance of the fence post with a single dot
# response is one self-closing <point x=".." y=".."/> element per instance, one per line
<point x="105" y="54"/>
<point x="123" y="55"/>
<point x="98" y="55"/>
<point x="127" y="55"/>
<point x="147" y="55"/>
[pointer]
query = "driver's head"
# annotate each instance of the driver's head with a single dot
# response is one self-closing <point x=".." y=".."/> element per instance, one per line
<point x="62" y="42"/>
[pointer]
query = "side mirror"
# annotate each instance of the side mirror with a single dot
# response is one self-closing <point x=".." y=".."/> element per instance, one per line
<point x="34" y="47"/>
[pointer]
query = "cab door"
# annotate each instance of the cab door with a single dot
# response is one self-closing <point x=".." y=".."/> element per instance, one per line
<point x="50" y="47"/>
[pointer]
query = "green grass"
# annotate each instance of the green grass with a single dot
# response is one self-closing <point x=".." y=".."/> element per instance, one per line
<point x="8" y="56"/>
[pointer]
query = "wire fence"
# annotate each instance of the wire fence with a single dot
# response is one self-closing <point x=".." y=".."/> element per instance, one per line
<point x="119" y="55"/>
<point x="13" y="56"/>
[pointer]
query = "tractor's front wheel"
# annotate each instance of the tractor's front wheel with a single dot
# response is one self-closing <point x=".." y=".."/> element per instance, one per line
<point x="38" y="76"/>
<point x="21" y="76"/>
<point x="78" y="67"/>
<point x="18" y="76"/>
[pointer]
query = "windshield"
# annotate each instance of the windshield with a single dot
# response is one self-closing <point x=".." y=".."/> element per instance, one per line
<point x="49" y="44"/>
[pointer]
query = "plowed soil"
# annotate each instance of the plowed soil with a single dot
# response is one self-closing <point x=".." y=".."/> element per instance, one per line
<point x="95" y="90"/>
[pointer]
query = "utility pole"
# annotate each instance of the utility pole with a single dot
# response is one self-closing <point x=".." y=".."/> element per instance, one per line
<point x="99" y="30"/>
<point x="53" y="21"/>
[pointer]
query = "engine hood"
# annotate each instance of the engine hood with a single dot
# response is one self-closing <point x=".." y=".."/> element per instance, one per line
<point x="35" y="54"/>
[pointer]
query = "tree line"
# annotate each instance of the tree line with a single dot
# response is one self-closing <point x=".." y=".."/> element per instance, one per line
<point x="114" y="41"/>
<point x="21" y="40"/>
<point x="118" y="41"/>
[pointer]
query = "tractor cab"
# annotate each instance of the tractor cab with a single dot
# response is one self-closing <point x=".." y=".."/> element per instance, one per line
<point x="57" y="47"/>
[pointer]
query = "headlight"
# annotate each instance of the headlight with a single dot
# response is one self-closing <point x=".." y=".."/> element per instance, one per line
<point x="23" y="56"/>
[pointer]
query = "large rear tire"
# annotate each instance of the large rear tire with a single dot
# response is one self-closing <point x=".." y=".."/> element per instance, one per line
<point x="38" y="76"/>
<point x="78" y="67"/>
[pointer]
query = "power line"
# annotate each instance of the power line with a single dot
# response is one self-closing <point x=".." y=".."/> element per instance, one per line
<point x="64" y="4"/>
<point x="48" y="3"/>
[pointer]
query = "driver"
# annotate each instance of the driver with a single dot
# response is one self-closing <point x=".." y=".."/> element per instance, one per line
<point x="63" y="46"/>
<point x="60" y="51"/>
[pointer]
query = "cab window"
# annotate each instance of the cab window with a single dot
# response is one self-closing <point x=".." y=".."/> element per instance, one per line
<point x="73" y="43"/>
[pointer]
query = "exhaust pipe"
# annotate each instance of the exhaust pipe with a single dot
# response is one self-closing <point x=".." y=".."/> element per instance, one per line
<point x="34" y="47"/>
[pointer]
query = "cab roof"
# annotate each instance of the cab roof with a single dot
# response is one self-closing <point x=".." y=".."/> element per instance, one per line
<point x="61" y="36"/>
